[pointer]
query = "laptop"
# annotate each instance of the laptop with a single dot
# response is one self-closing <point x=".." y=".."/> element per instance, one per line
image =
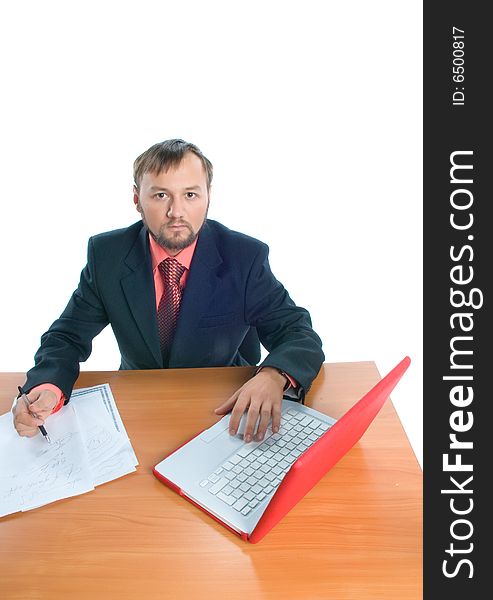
<point x="250" y="487"/>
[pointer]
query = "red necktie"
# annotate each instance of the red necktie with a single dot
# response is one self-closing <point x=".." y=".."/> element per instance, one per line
<point x="169" y="306"/>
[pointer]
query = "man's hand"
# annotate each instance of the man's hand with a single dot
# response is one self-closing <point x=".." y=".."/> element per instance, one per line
<point x="41" y="403"/>
<point x="262" y="396"/>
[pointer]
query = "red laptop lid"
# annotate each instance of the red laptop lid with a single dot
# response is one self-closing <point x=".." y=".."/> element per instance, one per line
<point x="325" y="453"/>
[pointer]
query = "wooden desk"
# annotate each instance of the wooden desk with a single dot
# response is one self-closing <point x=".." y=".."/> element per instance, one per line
<point x="356" y="535"/>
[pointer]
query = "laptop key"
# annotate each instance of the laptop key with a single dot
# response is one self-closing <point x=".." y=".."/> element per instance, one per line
<point x="240" y="504"/>
<point x="228" y="499"/>
<point x="217" y="487"/>
<point x="244" y="451"/>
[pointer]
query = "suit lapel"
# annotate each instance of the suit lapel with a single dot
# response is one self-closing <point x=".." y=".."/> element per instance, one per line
<point x="201" y="283"/>
<point x="138" y="288"/>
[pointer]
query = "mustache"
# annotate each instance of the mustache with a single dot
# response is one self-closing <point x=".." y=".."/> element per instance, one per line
<point x="178" y="222"/>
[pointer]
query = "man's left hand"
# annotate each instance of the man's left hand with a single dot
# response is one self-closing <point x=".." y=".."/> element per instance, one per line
<point x="262" y="397"/>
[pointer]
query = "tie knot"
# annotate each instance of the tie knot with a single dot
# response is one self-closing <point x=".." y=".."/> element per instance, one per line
<point x="171" y="270"/>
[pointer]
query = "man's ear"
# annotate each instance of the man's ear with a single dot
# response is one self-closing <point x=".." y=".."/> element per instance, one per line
<point x="136" y="199"/>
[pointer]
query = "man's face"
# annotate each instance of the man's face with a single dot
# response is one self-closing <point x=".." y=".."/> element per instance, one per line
<point x="174" y="204"/>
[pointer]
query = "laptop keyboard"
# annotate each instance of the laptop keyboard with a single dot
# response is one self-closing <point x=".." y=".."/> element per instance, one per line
<point x="255" y="471"/>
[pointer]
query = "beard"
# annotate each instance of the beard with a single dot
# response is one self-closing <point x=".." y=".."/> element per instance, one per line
<point x="175" y="240"/>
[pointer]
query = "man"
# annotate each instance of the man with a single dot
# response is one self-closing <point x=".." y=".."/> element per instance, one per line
<point x="179" y="290"/>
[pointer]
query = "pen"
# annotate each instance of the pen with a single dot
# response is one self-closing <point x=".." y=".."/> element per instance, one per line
<point x="41" y="428"/>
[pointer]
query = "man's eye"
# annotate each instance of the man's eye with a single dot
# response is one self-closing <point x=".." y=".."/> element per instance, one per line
<point x="161" y="195"/>
<point x="191" y="194"/>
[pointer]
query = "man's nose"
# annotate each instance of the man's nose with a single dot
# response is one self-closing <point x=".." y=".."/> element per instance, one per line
<point x="176" y="209"/>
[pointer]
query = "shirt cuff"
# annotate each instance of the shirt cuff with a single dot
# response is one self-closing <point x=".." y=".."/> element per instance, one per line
<point x="52" y="388"/>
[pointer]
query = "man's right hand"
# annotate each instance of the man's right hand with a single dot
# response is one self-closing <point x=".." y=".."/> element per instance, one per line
<point x="41" y="404"/>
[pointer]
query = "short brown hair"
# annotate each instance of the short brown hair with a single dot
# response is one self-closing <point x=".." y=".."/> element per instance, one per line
<point x="164" y="155"/>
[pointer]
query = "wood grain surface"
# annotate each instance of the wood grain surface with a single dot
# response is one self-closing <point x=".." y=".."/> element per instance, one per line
<point x="356" y="535"/>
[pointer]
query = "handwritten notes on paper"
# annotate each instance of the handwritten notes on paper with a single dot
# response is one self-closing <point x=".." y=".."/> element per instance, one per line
<point x="89" y="447"/>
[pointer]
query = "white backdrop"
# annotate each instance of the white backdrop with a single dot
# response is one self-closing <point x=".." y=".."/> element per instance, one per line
<point x="310" y="112"/>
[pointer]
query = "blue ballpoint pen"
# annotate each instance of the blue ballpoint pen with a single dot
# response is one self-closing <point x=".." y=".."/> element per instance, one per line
<point x="41" y="428"/>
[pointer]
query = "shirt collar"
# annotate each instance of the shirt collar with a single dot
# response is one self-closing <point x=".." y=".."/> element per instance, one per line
<point x="158" y="253"/>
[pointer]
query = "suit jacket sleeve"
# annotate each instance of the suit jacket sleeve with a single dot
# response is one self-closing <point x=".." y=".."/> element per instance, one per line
<point x="69" y="339"/>
<point x="284" y="329"/>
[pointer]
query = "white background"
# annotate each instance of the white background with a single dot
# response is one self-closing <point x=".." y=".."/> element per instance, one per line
<point x="310" y="112"/>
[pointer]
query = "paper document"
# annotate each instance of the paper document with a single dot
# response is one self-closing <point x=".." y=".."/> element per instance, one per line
<point x="89" y="446"/>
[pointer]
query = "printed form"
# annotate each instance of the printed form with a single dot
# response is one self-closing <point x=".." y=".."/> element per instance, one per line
<point x="89" y="446"/>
